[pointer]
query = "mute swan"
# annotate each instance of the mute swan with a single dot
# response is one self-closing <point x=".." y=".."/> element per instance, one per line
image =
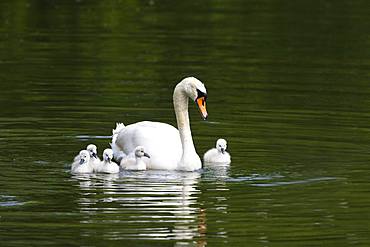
<point x="107" y="165"/>
<point x="118" y="154"/>
<point x="135" y="161"/>
<point x="94" y="159"/>
<point x="169" y="148"/>
<point x="218" y="154"/>
<point x="82" y="165"/>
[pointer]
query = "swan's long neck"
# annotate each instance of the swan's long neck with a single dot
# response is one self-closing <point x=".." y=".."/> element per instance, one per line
<point x="180" y="101"/>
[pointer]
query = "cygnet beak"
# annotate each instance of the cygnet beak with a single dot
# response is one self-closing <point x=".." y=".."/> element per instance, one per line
<point x="146" y="155"/>
<point x="222" y="150"/>
<point x="109" y="159"/>
<point x="95" y="155"/>
<point x="82" y="161"/>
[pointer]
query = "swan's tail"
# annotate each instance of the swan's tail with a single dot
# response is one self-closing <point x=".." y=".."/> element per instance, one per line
<point x="117" y="152"/>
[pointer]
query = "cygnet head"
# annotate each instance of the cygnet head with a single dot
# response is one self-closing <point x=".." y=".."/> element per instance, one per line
<point x="139" y="152"/>
<point x="108" y="155"/>
<point x="196" y="90"/>
<point x="84" y="157"/>
<point x="221" y="145"/>
<point x="92" y="150"/>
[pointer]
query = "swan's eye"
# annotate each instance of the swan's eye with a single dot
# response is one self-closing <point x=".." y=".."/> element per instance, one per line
<point x="201" y="94"/>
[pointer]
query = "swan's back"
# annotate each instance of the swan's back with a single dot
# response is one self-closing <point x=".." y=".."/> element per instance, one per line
<point x="161" y="141"/>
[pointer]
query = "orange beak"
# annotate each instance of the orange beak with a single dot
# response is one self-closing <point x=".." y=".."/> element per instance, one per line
<point x="201" y="102"/>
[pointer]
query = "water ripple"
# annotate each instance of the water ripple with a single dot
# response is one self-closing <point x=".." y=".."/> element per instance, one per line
<point x="9" y="201"/>
<point x="304" y="181"/>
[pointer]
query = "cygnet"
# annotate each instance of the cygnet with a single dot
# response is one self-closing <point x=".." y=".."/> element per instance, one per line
<point x="134" y="161"/>
<point x="94" y="159"/>
<point x="218" y="154"/>
<point x="107" y="165"/>
<point x="82" y="165"/>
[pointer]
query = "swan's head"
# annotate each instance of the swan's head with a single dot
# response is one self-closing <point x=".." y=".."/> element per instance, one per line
<point x="108" y="155"/>
<point x="92" y="150"/>
<point x="84" y="157"/>
<point x="221" y="145"/>
<point x="196" y="90"/>
<point x="139" y="152"/>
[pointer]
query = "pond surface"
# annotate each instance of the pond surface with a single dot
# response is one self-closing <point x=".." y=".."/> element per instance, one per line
<point x="289" y="88"/>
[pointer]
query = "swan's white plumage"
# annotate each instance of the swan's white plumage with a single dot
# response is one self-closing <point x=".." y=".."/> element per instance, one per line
<point x="118" y="154"/>
<point x="107" y="165"/>
<point x="162" y="156"/>
<point x="218" y="154"/>
<point x="135" y="160"/>
<point x="82" y="164"/>
<point x="168" y="147"/>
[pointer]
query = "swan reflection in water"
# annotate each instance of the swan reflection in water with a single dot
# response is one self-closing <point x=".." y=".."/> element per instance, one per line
<point x="151" y="205"/>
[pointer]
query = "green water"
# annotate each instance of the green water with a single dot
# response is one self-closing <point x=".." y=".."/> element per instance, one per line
<point x="289" y="88"/>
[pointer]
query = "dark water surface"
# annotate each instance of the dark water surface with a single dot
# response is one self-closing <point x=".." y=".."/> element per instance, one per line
<point x="289" y="88"/>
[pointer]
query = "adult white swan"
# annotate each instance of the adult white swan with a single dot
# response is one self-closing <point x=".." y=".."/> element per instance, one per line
<point x="169" y="148"/>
